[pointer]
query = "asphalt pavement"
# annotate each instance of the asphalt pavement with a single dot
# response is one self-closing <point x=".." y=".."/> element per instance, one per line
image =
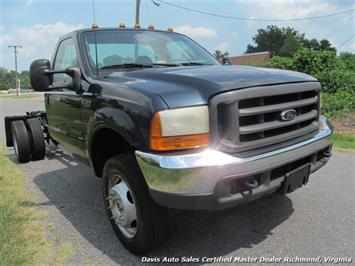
<point x="315" y="221"/>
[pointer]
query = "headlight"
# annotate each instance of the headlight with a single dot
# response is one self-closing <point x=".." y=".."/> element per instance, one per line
<point x="182" y="128"/>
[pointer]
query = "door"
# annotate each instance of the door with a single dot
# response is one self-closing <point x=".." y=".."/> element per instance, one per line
<point x="63" y="107"/>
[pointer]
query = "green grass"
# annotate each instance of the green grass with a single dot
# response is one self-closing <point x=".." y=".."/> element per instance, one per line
<point x="344" y="142"/>
<point x="23" y="227"/>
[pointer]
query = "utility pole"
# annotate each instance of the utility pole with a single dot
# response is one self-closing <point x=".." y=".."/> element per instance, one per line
<point x="138" y="3"/>
<point x="16" y="78"/>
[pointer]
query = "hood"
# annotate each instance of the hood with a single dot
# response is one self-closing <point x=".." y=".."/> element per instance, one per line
<point x="194" y="85"/>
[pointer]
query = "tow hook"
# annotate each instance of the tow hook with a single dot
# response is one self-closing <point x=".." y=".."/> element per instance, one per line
<point x="326" y="154"/>
<point x="251" y="184"/>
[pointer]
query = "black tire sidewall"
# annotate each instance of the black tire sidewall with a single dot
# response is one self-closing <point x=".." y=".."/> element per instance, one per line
<point x="38" y="145"/>
<point x="21" y="137"/>
<point x="148" y="213"/>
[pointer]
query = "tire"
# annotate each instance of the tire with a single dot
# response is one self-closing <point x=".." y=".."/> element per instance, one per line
<point x="38" y="145"/>
<point x="21" y="141"/>
<point x="151" y="223"/>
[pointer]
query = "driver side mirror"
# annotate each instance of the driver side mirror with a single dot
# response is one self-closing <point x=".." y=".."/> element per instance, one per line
<point x="41" y="76"/>
<point x="226" y="61"/>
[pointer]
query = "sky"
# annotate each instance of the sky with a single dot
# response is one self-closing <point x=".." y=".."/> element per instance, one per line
<point x="37" y="24"/>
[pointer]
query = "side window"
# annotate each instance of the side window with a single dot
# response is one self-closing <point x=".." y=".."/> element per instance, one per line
<point x="65" y="57"/>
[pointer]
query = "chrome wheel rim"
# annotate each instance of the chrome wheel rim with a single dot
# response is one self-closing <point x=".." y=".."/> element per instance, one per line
<point x="122" y="206"/>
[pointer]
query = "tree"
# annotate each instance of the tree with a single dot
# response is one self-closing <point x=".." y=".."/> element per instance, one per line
<point x="285" y="42"/>
<point x="290" y="46"/>
<point x="7" y="78"/>
<point x="273" y="38"/>
<point x="314" y="44"/>
<point x="25" y="79"/>
<point x="325" y="45"/>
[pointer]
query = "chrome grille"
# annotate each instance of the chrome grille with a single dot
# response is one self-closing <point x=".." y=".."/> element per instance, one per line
<point x="250" y="118"/>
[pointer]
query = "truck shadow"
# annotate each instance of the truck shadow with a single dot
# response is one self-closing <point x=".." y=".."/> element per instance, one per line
<point x="76" y="193"/>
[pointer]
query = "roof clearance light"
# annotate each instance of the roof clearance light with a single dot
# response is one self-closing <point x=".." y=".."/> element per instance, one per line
<point x="122" y="25"/>
<point x="151" y="27"/>
<point x="170" y="29"/>
<point x="137" y="26"/>
<point x="94" y="26"/>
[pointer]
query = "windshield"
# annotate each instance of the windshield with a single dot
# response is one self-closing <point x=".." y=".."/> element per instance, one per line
<point x="134" y="48"/>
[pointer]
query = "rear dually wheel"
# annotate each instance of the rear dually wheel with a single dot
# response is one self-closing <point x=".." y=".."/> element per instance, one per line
<point x="21" y="141"/>
<point x="38" y="144"/>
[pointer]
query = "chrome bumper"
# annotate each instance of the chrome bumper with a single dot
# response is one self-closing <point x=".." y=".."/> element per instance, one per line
<point x="202" y="174"/>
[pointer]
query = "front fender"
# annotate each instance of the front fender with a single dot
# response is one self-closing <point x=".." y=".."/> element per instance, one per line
<point x="118" y="121"/>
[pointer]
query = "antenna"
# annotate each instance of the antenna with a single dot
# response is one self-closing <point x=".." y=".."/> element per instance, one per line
<point x="93" y="11"/>
<point x="96" y="56"/>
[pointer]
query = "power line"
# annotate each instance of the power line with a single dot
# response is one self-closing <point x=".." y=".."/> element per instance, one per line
<point x="343" y="43"/>
<point x="254" y="19"/>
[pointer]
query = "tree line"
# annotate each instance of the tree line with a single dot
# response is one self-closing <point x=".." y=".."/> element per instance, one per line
<point x="7" y="79"/>
<point x="284" y="41"/>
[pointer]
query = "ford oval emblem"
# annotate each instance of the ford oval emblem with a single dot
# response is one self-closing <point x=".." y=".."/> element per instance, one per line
<point x="288" y="115"/>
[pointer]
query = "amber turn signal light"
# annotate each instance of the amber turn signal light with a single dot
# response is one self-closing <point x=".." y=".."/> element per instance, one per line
<point x="158" y="142"/>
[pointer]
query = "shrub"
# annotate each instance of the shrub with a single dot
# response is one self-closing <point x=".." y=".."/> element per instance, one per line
<point x="338" y="104"/>
<point x="281" y="62"/>
<point x="336" y="74"/>
<point x="337" y="80"/>
<point x="348" y="59"/>
<point x="314" y="62"/>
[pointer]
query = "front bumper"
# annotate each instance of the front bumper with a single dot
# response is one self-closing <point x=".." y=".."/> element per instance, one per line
<point x="213" y="180"/>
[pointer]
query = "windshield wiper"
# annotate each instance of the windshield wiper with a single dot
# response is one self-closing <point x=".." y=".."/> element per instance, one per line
<point x="165" y="64"/>
<point x="133" y="65"/>
<point x="193" y="64"/>
<point x="125" y="65"/>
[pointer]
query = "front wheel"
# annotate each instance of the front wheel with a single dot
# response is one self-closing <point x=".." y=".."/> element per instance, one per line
<point x="139" y="223"/>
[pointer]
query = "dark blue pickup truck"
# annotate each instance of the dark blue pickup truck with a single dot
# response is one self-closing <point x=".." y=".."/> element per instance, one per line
<point x="166" y="125"/>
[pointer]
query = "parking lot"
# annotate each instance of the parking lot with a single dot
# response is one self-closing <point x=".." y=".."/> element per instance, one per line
<point x="317" y="220"/>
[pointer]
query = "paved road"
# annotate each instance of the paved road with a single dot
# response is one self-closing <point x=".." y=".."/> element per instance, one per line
<point x="317" y="220"/>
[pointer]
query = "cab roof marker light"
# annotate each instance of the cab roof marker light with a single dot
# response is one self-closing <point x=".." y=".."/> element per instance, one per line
<point x="137" y="26"/>
<point x="122" y="25"/>
<point x="170" y="29"/>
<point x="94" y="26"/>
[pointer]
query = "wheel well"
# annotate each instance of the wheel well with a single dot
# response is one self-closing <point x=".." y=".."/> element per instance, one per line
<point x="106" y="144"/>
